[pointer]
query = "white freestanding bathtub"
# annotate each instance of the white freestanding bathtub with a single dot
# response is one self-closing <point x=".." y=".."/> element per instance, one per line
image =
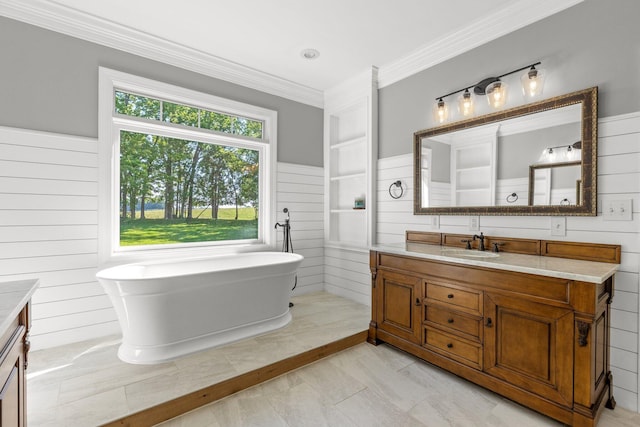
<point x="168" y="309"/>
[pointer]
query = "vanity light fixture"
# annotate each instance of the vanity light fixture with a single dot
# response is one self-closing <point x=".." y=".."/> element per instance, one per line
<point x="495" y="89"/>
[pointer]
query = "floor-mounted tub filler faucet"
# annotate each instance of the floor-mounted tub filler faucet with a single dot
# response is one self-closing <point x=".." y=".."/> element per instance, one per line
<point x="481" y="238"/>
<point x="287" y="243"/>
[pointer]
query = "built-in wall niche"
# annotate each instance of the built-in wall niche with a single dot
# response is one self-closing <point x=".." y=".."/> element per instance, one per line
<point x="350" y="151"/>
<point x="347" y="160"/>
<point x="348" y="175"/>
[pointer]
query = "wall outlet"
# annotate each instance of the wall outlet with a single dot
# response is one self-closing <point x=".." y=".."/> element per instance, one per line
<point x="435" y="222"/>
<point x="474" y="223"/>
<point x="617" y="209"/>
<point x="559" y="226"/>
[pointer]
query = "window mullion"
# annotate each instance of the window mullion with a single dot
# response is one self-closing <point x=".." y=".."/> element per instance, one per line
<point x="172" y="130"/>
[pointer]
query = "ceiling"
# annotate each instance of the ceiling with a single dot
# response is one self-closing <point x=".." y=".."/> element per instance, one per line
<point x="265" y="38"/>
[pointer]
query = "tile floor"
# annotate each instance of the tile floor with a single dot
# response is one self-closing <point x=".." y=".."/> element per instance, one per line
<point x="373" y="386"/>
<point x="85" y="384"/>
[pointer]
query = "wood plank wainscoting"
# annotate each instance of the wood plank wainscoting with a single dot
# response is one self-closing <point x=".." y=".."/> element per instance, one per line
<point x="538" y="340"/>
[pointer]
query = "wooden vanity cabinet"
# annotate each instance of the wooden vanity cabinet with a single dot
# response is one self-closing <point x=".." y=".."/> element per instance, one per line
<point x="402" y="308"/>
<point x="540" y="341"/>
<point x="13" y="349"/>
<point x="526" y="344"/>
<point x="453" y="322"/>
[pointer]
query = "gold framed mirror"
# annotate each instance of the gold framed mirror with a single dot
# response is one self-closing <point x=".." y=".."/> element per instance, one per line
<point x="536" y="159"/>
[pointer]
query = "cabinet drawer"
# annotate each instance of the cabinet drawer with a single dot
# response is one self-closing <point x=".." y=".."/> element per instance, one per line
<point x="458" y="322"/>
<point x="453" y="347"/>
<point x="459" y="298"/>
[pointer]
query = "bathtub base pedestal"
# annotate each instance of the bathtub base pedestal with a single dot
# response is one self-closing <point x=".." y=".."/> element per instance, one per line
<point x="148" y="355"/>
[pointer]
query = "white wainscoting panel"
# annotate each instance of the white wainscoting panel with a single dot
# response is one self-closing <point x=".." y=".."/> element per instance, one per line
<point x="300" y="189"/>
<point x="48" y="230"/>
<point x="505" y="189"/>
<point x="618" y="176"/>
<point x="347" y="274"/>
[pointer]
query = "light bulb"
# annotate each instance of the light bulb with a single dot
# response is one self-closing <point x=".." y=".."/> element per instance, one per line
<point x="532" y="82"/>
<point x="544" y="156"/>
<point x="496" y="94"/>
<point x="441" y="111"/>
<point x="465" y="104"/>
<point x="573" y="154"/>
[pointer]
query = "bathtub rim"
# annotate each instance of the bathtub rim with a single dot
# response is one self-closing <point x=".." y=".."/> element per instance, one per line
<point x="102" y="274"/>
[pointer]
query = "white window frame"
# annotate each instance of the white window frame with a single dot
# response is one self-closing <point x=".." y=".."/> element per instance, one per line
<point x="109" y="126"/>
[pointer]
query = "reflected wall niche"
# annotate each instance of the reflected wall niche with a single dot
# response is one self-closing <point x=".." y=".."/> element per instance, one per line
<point x="536" y="159"/>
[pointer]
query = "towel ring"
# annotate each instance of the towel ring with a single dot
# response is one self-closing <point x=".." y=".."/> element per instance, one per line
<point x="512" y="198"/>
<point x="398" y="184"/>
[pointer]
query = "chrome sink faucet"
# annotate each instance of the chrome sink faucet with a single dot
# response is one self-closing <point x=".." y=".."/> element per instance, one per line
<point x="481" y="238"/>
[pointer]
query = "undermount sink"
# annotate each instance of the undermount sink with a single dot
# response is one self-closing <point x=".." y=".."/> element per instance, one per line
<point x="469" y="253"/>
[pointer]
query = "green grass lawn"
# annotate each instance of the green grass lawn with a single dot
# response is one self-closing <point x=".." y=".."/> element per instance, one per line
<point x="154" y="230"/>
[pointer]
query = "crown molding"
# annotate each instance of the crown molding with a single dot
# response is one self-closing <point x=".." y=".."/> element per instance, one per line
<point x="65" y="20"/>
<point x="501" y="22"/>
<point x="350" y="91"/>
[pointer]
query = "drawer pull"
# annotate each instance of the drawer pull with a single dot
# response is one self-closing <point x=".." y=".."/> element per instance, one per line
<point x="449" y="320"/>
<point x="450" y="296"/>
<point x="449" y="345"/>
<point x="489" y="323"/>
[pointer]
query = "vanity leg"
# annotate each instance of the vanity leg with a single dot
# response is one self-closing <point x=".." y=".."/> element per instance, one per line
<point x="611" y="401"/>
<point x="372" y="337"/>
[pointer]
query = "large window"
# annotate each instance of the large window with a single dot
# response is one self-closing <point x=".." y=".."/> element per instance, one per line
<point x="184" y="170"/>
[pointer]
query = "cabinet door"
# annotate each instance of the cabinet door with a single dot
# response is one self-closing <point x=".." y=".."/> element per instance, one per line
<point x="12" y="388"/>
<point x="530" y="345"/>
<point x="399" y="305"/>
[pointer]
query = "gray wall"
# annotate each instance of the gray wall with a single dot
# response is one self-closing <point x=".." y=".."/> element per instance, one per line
<point x="565" y="177"/>
<point x="595" y="43"/>
<point x="49" y="82"/>
<point x="517" y="152"/>
<point x="440" y="168"/>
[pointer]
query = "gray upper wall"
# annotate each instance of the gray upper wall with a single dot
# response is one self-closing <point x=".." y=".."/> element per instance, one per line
<point x="595" y="43"/>
<point x="49" y="82"/>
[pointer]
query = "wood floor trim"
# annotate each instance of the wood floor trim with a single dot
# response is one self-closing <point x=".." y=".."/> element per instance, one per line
<point x="181" y="405"/>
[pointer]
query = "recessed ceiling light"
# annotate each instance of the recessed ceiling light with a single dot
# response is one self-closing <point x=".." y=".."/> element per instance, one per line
<point x="309" y="54"/>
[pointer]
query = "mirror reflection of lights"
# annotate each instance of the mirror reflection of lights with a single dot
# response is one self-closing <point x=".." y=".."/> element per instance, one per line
<point x="561" y="154"/>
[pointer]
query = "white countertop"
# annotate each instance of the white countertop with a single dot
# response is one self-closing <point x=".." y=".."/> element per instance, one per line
<point x="562" y="268"/>
<point x="13" y="298"/>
